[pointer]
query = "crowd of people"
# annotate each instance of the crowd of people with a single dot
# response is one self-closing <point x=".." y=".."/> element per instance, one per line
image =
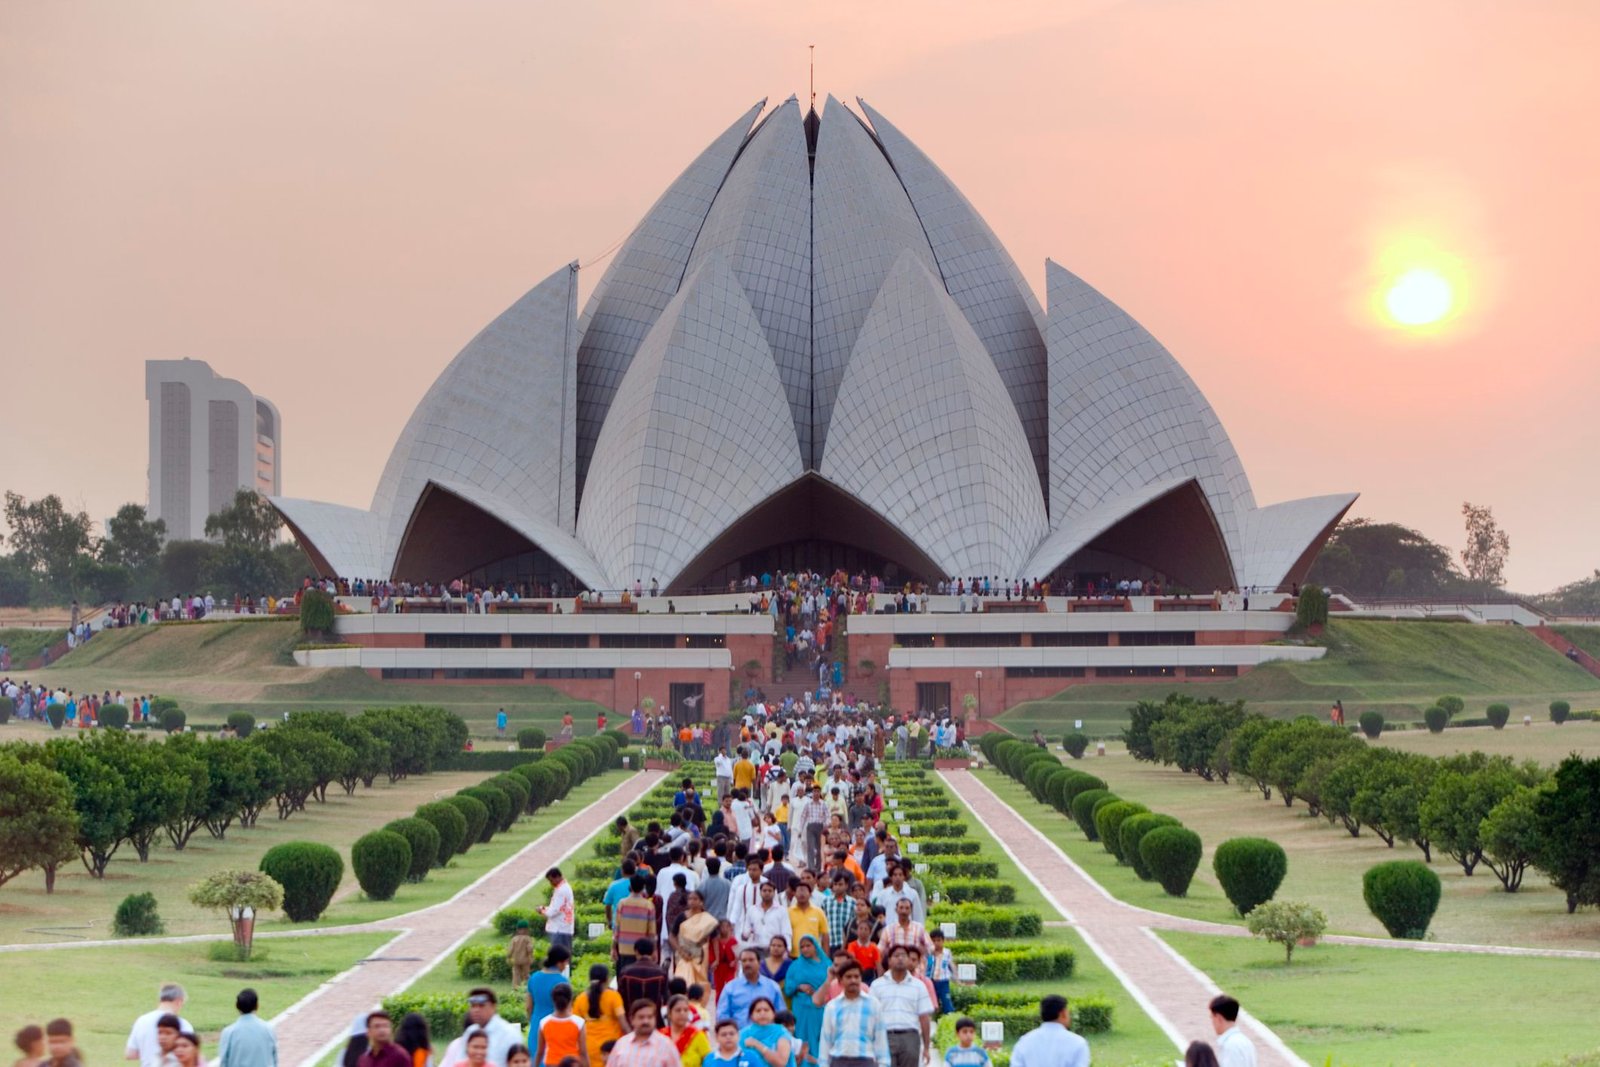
<point x="28" y="701"/>
<point x="162" y="1037"/>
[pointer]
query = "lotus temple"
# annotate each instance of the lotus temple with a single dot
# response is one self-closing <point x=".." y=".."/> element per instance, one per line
<point x="813" y="353"/>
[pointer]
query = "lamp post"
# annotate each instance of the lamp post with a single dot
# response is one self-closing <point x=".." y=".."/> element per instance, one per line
<point x="636" y="677"/>
<point x="978" y="677"/>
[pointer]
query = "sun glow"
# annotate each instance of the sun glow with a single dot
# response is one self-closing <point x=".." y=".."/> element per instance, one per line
<point x="1418" y="297"/>
<point x="1417" y="288"/>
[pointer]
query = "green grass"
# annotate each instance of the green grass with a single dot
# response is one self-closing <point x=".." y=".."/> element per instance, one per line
<point x="1585" y="637"/>
<point x="1399" y="668"/>
<point x="1394" y="1008"/>
<point x="27" y="642"/>
<point x="1326" y="864"/>
<point x="38" y="986"/>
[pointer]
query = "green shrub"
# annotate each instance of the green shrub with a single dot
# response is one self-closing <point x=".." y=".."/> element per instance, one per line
<point x="113" y="716"/>
<point x="1402" y="895"/>
<point x="316" y="613"/>
<point x="561" y="780"/>
<point x="961" y="866"/>
<point x="1037" y="772"/>
<point x="1498" y="715"/>
<point x="1076" y="743"/>
<point x="381" y="861"/>
<point x="423" y="838"/>
<point x="531" y="737"/>
<point x="1083" y="809"/>
<point x="243" y="723"/>
<point x="476" y="813"/>
<point x="1371" y="723"/>
<point x="987" y="920"/>
<point x="1250" y="869"/>
<point x="1172" y="855"/>
<point x="979" y="891"/>
<point x="159" y="705"/>
<point x="451" y="825"/>
<point x="1437" y="718"/>
<point x="1452" y="706"/>
<point x="1286" y="922"/>
<point x="1132" y="832"/>
<point x="1312" y="607"/>
<point x="1560" y="711"/>
<point x="56" y="713"/>
<point x="516" y="787"/>
<point x="1108" y="819"/>
<point x="1019" y="1012"/>
<point x="499" y="804"/>
<point x="483" y="963"/>
<point x="173" y="720"/>
<point x="1069" y="787"/>
<point x="930" y="846"/>
<point x="136" y="916"/>
<point x="309" y="873"/>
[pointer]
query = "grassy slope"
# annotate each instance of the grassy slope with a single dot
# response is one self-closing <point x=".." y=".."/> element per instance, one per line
<point x="1397" y="667"/>
<point x="1585" y="637"/>
<point x="27" y="642"/>
<point x="103" y="1010"/>
<point x="1382" y="1007"/>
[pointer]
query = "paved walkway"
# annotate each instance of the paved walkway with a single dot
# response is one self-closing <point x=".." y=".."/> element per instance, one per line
<point x="1170" y="989"/>
<point x="308" y="1030"/>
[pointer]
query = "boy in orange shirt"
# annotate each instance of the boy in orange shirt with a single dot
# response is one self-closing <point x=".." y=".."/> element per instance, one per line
<point x="561" y="1032"/>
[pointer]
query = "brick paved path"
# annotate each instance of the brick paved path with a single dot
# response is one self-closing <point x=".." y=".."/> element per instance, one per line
<point x="308" y="1029"/>
<point x="1171" y="990"/>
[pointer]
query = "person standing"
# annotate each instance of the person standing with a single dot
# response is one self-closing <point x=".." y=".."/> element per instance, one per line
<point x="765" y="921"/>
<point x="381" y="1048"/>
<point x="645" y="1046"/>
<point x="749" y="986"/>
<point x="247" y="1042"/>
<point x="143" y="1043"/>
<point x="853" y="1032"/>
<point x="1052" y="1044"/>
<point x="558" y="914"/>
<point x="907" y="1011"/>
<point x="1233" y="1048"/>
<point x="722" y="766"/>
<point x="483" y="1015"/>
<point x="520" y="954"/>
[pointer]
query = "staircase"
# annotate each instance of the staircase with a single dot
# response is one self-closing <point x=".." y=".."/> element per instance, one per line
<point x="1567" y="649"/>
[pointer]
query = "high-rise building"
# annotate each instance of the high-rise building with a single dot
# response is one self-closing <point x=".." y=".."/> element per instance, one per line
<point x="209" y="437"/>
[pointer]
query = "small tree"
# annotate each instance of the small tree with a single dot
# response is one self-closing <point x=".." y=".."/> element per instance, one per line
<point x="1560" y="711"/>
<point x="1510" y="837"/>
<point x="1487" y="546"/>
<point x="1288" y="922"/>
<point x="1076" y="743"/>
<point x="1312" y="607"/>
<point x="240" y="895"/>
<point x="316" y="614"/>
<point x="969" y="701"/>
<point x="38" y="824"/>
<point x="1371" y="723"/>
<point x="136" y="916"/>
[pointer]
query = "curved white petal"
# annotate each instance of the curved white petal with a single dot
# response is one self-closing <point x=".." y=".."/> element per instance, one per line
<point x="500" y="417"/>
<point x="1075" y="534"/>
<point x="344" y="542"/>
<point x="863" y="222"/>
<point x="981" y="277"/>
<point x="699" y="433"/>
<point x="642" y="277"/>
<point x="925" y="434"/>
<point x="1282" y="540"/>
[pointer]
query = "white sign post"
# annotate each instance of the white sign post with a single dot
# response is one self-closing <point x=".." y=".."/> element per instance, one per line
<point x="967" y="973"/>
<point x="920" y="868"/>
<point x="596" y="930"/>
<point x="949" y="930"/>
<point x="994" y="1033"/>
<point x="913" y="848"/>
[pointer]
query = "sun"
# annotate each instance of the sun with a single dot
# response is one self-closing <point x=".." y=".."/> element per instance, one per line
<point x="1419" y="297"/>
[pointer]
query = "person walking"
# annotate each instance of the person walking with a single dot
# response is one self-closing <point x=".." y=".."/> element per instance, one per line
<point x="853" y="1031"/>
<point x="143" y="1044"/>
<point x="750" y="985"/>
<point x="644" y="1046"/>
<point x="907" y="1011"/>
<point x="558" y="914"/>
<point x="247" y="1042"/>
<point x="520" y="955"/>
<point x="1051" y="1044"/>
<point x="1233" y="1048"/>
<point x="381" y="1048"/>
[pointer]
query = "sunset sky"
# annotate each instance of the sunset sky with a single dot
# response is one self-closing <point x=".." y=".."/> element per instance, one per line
<point x="327" y="200"/>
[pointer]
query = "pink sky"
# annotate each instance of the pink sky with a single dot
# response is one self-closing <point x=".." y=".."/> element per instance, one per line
<point x="327" y="201"/>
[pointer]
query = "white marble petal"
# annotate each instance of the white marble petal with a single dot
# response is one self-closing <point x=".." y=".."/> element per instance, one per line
<point x="1071" y="536"/>
<point x="548" y="535"/>
<point x="347" y="542"/>
<point x="1280" y="536"/>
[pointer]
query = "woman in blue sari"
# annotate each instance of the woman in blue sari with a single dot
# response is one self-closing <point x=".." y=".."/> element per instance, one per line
<point x="764" y="1043"/>
<point x="808" y="972"/>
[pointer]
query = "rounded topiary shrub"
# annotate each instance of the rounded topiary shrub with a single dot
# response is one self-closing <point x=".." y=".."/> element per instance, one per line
<point x="1008" y="750"/>
<point x="1076" y="743"/>
<point x="1402" y="895"/>
<point x="1133" y="830"/>
<point x="477" y="816"/>
<point x="1172" y="855"/>
<point x="1371" y="723"/>
<point x="561" y="781"/>
<point x="424" y="841"/>
<point x="498" y="802"/>
<point x="1498" y="715"/>
<point x="451" y="826"/>
<point x="531" y="737"/>
<point x="381" y="861"/>
<point x="1083" y="810"/>
<point x="1036" y="773"/>
<point x="173" y="720"/>
<point x="1560" y="711"/>
<point x="516" y="787"/>
<point x="309" y="873"/>
<point x="243" y="723"/>
<point x="541" y="778"/>
<point x="1250" y="869"/>
<point x="114" y="716"/>
<point x="1436" y="718"/>
<point x="56" y="713"/>
<point x="1108" y="820"/>
<point x="1069" y="787"/>
<point x="136" y="916"/>
<point x="1452" y="706"/>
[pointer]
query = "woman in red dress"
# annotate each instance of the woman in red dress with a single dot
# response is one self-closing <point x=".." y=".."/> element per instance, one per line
<point x="725" y="957"/>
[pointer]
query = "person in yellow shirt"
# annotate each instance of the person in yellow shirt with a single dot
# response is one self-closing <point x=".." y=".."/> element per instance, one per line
<point x="744" y="772"/>
<point x="805" y="917"/>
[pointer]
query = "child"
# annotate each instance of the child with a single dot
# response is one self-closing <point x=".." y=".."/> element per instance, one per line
<point x="942" y="969"/>
<point x="801" y="1054"/>
<point x="561" y="1032"/>
<point x="966" y="1052"/>
<point x="865" y="951"/>
<point x="727" y="1053"/>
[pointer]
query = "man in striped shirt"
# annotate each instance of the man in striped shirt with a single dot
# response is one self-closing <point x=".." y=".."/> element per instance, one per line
<point x="645" y="1046"/>
<point x="853" y="1033"/>
<point x="905" y="931"/>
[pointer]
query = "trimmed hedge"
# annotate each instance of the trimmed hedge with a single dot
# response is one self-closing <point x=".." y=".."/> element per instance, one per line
<point x="113" y="716"/>
<point x="1371" y="723"/>
<point x="309" y="873"/>
<point x="1092" y="1014"/>
<point x="1076" y="744"/>
<point x="942" y="846"/>
<point x="942" y="867"/>
<point x="531" y="738"/>
<point x="987" y="920"/>
<point x="424" y="841"/>
<point x="1132" y="832"/>
<point x="1250" y="869"/>
<point x="1437" y="719"/>
<point x="1014" y="963"/>
<point x="517" y="788"/>
<point x="1402" y="895"/>
<point x="172" y="720"/>
<point x="1108" y="820"/>
<point x="243" y="723"/>
<point x="978" y="891"/>
<point x="451" y="824"/>
<point x="505" y="920"/>
<point x="1083" y="806"/>
<point x="1172" y="855"/>
<point x="476" y="813"/>
<point x="1069" y="787"/>
<point x="445" y="1011"/>
<point x="1560" y="711"/>
<point x="381" y="860"/>
<point x="1498" y="715"/>
<point x="496" y="802"/>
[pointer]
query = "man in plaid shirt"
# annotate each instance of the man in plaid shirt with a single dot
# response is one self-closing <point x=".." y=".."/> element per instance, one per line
<point x="853" y="1031"/>
<point x="840" y="910"/>
<point x="813" y="818"/>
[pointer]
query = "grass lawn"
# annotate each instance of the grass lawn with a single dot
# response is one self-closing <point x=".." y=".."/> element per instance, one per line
<point x="27" y="642"/>
<point x="1325" y="863"/>
<point x="1399" y="668"/>
<point x="81" y="906"/>
<point x="36" y="986"/>
<point x="1393" y="1008"/>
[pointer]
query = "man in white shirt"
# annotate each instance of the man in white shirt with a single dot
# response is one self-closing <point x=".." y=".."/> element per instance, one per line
<point x="723" y="768"/>
<point x="1051" y="1044"/>
<point x="745" y="819"/>
<point x="143" y="1044"/>
<point x="675" y="866"/>
<point x="1233" y="1048"/>
<point x="765" y="921"/>
<point x="483" y="1010"/>
<point x="559" y="917"/>
<point x="907" y="1011"/>
<point x="744" y="894"/>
